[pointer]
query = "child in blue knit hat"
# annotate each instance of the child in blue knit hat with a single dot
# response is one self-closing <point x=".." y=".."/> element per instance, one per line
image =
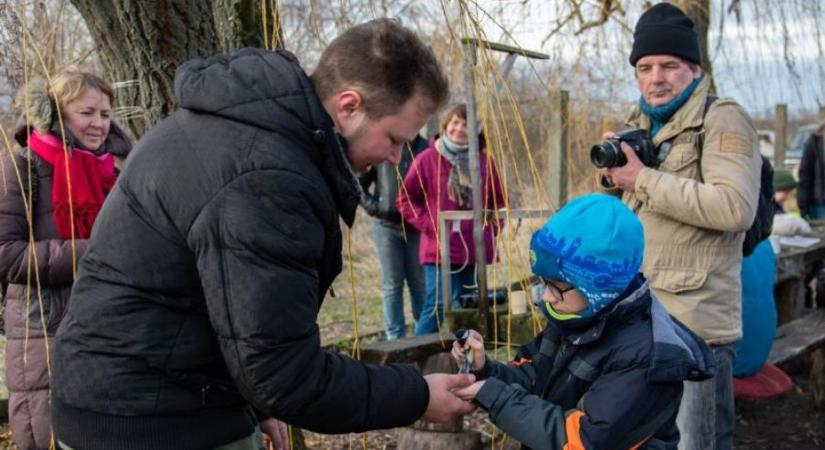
<point x="607" y="370"/>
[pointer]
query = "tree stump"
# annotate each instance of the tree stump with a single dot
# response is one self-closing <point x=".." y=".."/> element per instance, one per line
<point x="438" y="436"/>
<point x="817" y="378"/>
<point x="415" y="439"/>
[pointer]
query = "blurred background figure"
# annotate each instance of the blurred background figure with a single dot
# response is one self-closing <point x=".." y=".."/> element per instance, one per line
<point x="396" y="242"/>
<point x="439" y="180"/>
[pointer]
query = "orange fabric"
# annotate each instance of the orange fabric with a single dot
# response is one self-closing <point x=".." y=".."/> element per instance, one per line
<point x="571" y="427"/>
<point x="520" y="362"/>
<point x="639" y="444"/>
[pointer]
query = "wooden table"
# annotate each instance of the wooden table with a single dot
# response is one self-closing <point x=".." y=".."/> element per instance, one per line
<point x="792" y="264"/>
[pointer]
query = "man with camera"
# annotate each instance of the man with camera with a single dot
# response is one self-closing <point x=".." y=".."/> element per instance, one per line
<point x="693" y="178"/>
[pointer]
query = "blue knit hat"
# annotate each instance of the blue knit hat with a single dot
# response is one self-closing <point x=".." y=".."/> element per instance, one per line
<point x="594" y="243"/>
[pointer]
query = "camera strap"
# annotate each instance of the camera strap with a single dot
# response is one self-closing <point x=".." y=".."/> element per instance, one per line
<point x="663" y="151"/>
<point x="700" y="136"/>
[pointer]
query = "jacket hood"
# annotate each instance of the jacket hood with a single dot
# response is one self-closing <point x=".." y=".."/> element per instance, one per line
<point x="38" y="114"/>
<point x="583" y="330"/>
<point x="269" y="90"/>
<point x="678" y="354"/>
<point x="257" y="87"/>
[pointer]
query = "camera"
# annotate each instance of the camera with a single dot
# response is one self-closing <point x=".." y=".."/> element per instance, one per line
<point x="609" y="153"/>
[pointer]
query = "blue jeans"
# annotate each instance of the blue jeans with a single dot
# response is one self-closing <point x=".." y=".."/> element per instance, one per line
<point x="816" y="212"/>
<point x="399" y="262"/>
<point x="433" y="312"/>
<point x="706" y="415"/>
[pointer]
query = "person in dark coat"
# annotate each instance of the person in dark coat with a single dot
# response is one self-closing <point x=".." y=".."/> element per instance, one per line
<point x="53" y="187"/>
<point x="810" y="196"/>
<point x="396" y="241"/>
<point x="607" y="371"/>
<point x="194" y="312"/>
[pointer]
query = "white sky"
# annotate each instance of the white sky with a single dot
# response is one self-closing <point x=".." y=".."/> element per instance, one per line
<point x="749" y="58"/>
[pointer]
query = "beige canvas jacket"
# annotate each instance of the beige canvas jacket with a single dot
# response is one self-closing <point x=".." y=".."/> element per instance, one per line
<point x="695" y="211"/>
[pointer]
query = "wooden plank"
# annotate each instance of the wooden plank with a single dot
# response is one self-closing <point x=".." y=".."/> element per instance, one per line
<point x="798" y="337"/>
<point x="499" y="47"/>
<point x="407" y="350"/>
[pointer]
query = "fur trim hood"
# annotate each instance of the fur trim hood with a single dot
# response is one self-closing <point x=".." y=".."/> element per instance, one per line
<point x="37" y="112"/>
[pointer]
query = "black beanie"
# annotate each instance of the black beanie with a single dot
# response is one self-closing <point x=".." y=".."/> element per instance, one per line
<point x="665" y="30"/>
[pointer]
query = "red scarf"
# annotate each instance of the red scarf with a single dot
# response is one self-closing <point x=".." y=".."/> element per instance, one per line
<point x="91" y="179"/>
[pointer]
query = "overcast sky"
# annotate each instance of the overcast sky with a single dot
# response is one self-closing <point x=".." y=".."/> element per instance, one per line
<point x="749" y="58"/>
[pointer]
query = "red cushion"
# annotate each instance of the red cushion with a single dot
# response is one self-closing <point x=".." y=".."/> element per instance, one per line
<point x="768" y="383"/>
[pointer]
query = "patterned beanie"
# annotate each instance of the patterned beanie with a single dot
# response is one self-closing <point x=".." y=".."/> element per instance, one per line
<point x="595" y="243"/>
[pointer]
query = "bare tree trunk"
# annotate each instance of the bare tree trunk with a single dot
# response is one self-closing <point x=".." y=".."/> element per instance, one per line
<point x="10" y="50"/>
<point x="699" y="12"/>
<point x="145" y="40"/>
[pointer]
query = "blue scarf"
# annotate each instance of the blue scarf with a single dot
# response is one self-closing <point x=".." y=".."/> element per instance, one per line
<point x="659" y="115"/>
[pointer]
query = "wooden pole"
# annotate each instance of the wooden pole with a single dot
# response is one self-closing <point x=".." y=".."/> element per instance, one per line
<point x="475" y="176"/>
<point x="781" y="133"/>
<point x="557" y="147"/>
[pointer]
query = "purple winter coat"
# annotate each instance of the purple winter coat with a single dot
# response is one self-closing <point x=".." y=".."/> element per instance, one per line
<point x="425" y="189"/>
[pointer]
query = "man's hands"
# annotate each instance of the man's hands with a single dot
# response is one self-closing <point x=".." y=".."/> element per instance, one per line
<point x="444" y="404"/>
<point x="624" y="177"/>
<point x="275" y="435"/>
<point x="469" y="393"/>
<point x="475" y="342"/>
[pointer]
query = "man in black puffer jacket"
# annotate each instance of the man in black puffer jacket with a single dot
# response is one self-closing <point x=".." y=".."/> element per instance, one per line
<point x="195" y="306"/>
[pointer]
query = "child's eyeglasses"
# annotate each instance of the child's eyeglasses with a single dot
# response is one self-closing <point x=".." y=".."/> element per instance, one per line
<point x="555" y="290"/>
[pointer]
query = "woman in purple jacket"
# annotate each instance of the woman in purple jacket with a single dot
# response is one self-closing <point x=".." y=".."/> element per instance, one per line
<point x="439" y="180"/>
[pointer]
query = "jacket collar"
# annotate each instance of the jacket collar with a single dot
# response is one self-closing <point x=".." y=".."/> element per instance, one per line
<point x="690" y="115"/>
<point x="633" y="301"/>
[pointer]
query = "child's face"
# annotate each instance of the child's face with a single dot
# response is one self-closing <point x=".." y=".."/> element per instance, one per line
<point x="781" y="196"/>
<point x="563" y="297"/>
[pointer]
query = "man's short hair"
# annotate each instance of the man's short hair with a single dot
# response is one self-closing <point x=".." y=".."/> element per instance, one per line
<point x="385" y="62"/>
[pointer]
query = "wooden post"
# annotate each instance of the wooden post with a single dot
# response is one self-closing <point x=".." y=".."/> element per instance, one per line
<point x="431" y="128"/>
<point x="817" y="378"/>
<point x="475" y="176"/>
<point x="781" y="133"/>
<point x="557" y="147"/>
<point x="445" y="296"/>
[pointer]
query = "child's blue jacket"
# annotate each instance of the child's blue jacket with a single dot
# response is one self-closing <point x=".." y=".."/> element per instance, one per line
<point x="613" y="383"/>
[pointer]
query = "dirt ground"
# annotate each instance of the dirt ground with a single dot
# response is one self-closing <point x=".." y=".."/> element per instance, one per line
<point x="786" y="423"/>
<point x="789" y="422"/>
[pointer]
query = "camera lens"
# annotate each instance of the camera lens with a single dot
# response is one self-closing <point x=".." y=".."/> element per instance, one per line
<point x="607" y="154"/>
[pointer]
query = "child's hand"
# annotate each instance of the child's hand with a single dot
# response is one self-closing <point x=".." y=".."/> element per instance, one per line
<point x="475" y="343"/>
<point x="469" y="393"/>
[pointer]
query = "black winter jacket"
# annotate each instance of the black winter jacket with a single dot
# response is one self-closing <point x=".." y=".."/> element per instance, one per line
<point x="613" y="384"/>
<point x="199" y="292"/>
<point x="384" y="179"/>
<point x="811" y="190"/>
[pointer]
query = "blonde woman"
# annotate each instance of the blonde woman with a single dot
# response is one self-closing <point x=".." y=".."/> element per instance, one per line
<point x="53" y="189"/>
